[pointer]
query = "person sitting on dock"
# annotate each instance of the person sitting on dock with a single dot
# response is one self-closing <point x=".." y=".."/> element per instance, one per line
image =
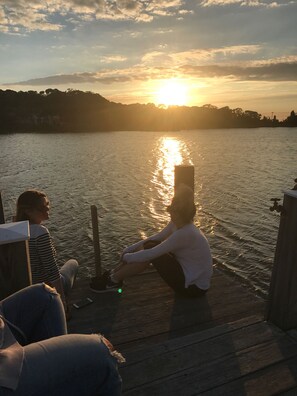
<point x="39" y="358"/>
<point x="33" y="205"/>
<point x="180" y="253"/>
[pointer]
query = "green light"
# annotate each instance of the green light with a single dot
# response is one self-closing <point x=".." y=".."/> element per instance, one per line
<point x="120" y="291"/>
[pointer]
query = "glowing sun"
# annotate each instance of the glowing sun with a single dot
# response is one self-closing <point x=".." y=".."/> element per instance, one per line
<point x="172" y="92"/>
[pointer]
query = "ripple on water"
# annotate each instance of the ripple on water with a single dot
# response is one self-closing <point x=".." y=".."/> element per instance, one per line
<point x="129" y="177"/>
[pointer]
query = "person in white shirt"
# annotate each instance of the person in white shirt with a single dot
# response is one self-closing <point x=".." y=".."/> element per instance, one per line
<point x="180" y="253"/>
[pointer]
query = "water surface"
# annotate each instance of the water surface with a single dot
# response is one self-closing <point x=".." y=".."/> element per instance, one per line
<point x="129" y="176"/>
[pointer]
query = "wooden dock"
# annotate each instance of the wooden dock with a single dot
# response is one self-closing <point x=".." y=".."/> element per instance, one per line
<point x="215" y="345"/>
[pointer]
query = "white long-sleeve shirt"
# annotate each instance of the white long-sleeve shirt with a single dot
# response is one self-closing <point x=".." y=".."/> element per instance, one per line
<point x="189" y="246"/>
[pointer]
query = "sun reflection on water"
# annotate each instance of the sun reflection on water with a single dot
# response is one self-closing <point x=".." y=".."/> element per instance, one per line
<point x="170" y="151"/>
<point x="170" y="155"/>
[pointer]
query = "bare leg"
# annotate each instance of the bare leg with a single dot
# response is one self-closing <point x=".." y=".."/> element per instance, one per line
<point x="125" y="270"/>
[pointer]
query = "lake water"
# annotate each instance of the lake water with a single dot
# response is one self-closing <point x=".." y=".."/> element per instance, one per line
<point x="130" y="175"/>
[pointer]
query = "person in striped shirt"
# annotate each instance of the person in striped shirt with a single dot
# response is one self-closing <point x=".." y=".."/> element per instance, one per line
<point x="33" y="205"/>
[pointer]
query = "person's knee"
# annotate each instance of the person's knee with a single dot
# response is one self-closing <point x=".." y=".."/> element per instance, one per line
<point x="42" y="291"/>
<point x="70" y="269"/>
<point x="103" y="351"/>
<point x="75" y="263"/>
<point x="46" y="295"/>
<point x="72" y="262"/>
<point x="98" y="357"/>
<point x="76" y="362"/>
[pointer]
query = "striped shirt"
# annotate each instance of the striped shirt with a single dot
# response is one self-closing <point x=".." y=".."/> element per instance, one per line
<point x="43" y="260"/>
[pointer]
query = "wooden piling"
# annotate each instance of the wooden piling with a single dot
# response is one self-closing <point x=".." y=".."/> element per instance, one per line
<point x="2" y="219"/>
<point x="184" y="174"/>
<point x="282" y="308"/>
<point x="96" y="242"/>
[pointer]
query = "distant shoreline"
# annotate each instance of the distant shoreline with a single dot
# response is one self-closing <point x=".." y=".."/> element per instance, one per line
<point x="134" y="130"/>
<point x="72" y="111"/>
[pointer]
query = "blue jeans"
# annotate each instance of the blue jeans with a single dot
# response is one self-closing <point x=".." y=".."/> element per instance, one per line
<point x="56" y="364"/>
<point x="37" y="311"/>
<point x="69" y="365"/>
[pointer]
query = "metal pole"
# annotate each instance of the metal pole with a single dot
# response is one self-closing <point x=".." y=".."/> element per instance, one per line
<point x="96" y="241"/>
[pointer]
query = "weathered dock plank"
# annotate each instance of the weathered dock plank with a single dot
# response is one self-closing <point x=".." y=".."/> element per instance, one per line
<point x="233" y="363"/>
<point x="215" y="345"/>
<point x="272" y="380"/>
<point x="148" y="311"/>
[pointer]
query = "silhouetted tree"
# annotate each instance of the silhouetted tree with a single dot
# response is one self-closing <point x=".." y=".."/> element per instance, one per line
<point x="76" y="111"/>
<point x="291" y="121"/>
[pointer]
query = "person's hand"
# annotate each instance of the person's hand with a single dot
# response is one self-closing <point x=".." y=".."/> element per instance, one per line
<point x="128" y="249"/>
<point x="125" y="258"/>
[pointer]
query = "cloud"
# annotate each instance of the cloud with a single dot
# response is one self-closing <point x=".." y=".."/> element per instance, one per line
<point x="246" y="3"/>
<point x="200" y="56"/>
<point x="268" y="72"/>
<point x="272" y="70"/>
<point x="156" y="58"/>
<point x="112" y="59"/>
<point x="20" y="14"/>
<point x="75" y="78"/>
<point x="32" y="15"/>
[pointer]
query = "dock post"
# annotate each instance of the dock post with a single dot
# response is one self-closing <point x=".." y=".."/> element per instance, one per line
<point x="96" y="241"/>
<point x="2" y="219"/>
<point x="282" y="298"/>
<point x="184" y="174"/>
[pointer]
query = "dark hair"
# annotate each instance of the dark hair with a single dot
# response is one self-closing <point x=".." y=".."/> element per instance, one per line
<point x="183" y="203"/>
<point x="28" y="200"/>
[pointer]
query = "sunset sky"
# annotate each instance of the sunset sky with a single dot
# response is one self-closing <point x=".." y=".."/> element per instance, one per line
<point x="236" y="53"/>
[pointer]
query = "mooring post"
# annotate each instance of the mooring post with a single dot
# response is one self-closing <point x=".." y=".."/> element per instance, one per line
<point x="2" y="219"/>
<point x="184" y="174"/>
<point x="96" y="242"/>
<point x="282" y="298"/>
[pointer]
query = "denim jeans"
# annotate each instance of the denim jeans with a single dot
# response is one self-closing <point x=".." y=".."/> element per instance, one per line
<point x="69" y="365"/>
<point x="57" y="364"/>
<point x="37" y="311"/>
<point x="68" y="273"/>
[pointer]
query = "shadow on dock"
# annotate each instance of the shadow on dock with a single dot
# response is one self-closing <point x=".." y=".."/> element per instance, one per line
<point x="215" y="345"/>
<point x="148" y="311"/>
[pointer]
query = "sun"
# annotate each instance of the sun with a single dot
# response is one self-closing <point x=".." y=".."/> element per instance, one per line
<point x="172" y="92"/>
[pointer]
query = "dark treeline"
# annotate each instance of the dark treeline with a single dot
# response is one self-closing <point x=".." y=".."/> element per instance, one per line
<point x="76" y="111"/>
